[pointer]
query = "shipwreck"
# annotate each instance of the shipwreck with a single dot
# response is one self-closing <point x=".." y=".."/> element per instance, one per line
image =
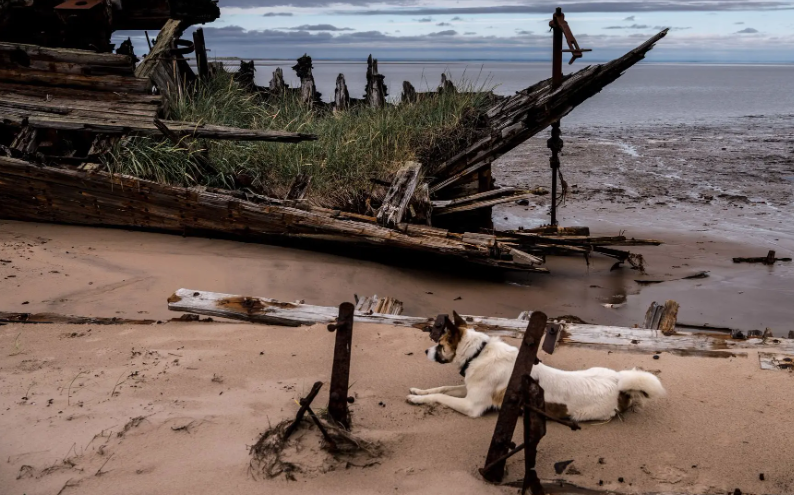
<point x="68" y="98"/>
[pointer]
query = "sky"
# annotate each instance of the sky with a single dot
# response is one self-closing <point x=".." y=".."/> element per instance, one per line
<point x="710" y="31"/>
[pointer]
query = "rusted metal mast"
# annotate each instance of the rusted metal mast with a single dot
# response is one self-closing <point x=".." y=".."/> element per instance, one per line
<point x="559" y="28"/>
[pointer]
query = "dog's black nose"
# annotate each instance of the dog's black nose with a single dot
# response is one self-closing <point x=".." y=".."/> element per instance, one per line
<point x="426" y="351"/>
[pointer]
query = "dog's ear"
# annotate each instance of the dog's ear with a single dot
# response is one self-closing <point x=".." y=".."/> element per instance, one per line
<point x="457" y="320"/>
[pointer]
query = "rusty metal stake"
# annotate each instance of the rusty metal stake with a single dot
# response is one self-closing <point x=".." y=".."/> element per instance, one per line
<point x="534" y="431"/>
<point x="340" y="374"/>
<point x="501" y="442"/>
<point x="305" y="403"/>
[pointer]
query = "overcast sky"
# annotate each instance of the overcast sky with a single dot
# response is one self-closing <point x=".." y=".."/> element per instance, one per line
<point x="701" y="30"/>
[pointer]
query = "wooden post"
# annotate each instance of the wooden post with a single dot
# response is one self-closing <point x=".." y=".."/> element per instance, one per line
<point x="201" y="53"/>
<point x="303" y="69"/>
<point x="340" y="374"/>
<point x="511" y="406"/>
<point x="341" y="95"/>
<point x="277" y="85"/>
<point x="409" y="93"/>
<point x="376" y="89"/>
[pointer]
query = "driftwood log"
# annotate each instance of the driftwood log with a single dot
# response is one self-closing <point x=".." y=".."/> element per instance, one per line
<point x="271" y="311"/>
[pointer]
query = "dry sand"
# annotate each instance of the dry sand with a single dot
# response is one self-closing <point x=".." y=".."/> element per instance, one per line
<point x="723" y="424"/>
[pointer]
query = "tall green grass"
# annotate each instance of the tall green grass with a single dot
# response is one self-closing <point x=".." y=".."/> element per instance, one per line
<point x="353" y="147"/>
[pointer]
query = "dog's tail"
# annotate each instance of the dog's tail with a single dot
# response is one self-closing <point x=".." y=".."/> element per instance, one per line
<point x="640" y="383"/>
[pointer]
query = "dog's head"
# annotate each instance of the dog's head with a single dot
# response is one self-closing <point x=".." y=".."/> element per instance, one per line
<point x="447" y="346"/>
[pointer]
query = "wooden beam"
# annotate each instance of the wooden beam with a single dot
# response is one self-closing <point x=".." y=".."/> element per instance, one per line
<point x="157" y="64"/>
<point x="271" y="311"/>
<point x="399" y="195"/>
<point x="481" y="204"/>
<point x="179" y="129"/>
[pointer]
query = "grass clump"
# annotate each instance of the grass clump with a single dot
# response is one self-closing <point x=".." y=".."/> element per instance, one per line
<point x="353" y="147"/>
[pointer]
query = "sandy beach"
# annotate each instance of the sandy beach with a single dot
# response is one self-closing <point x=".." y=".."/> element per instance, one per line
<point x="174" y="408"/>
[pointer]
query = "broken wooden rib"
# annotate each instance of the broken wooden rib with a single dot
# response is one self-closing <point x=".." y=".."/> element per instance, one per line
<point x="473" y="205"/>
<point x="121" y="126"/>
<point x="514" y="120"/>
<point x="399" y="195"/>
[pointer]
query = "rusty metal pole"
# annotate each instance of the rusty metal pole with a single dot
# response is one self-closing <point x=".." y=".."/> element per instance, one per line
<point x="555" y="143"/>
<point x="502" y="440"/>
<point x="534" y="431"/>
<point x="340" y="374"/>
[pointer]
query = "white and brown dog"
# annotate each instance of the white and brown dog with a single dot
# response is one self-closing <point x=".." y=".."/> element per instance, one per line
<point x="486" y="364"/>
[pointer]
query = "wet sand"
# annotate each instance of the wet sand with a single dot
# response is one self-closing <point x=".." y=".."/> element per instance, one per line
<point x="724" y="422"/>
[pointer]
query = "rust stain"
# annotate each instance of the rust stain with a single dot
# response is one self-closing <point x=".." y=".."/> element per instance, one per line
<point x="242" y="304"/>
<point x="174" y="298"/>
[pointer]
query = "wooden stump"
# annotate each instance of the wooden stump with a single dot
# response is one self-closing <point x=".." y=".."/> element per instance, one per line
<point x="277" y="85"/>
<point x="376" y="89"/>
<point x="303" y="69"/>
<point x="409" y="93"/>
<point x="341" y="95"/>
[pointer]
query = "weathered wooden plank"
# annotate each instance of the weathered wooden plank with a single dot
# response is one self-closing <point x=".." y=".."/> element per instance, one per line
<point x="481" y="204"/>
<point x="180" y="129"/>
<point x="121" y="84"/>
<point x="399" y="195"/>
<point x="375" y="304"/>
<point x="776" y="361"/>
<point x="474" y="197"/>
<point x="65" y="55"/>
<point x="271" y="311"/>
<point x="68" y="319"/>
<point x="153" y="66"/>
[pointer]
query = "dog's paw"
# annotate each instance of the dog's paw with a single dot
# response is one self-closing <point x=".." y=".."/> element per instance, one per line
<point x="417" y="391"/>
<point x="414" y="399"/>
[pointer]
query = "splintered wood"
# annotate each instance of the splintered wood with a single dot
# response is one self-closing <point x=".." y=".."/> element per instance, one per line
<point x="399" y="195"/>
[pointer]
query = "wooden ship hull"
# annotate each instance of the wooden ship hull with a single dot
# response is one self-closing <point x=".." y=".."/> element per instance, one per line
<point x="52" y="96"/>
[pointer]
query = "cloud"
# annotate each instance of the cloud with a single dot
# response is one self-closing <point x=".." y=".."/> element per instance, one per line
<point x="456" y="18"/>
<point x="633" y="26"/>
<point x="738" y="23"/>
<point x="523" y="32"/>
<point x="318" y="27"/>
<point x="629" y="18"/>
<point x="448" y="32"/>
<point x="424" y="19"/>
<point x="442" y="24"/>
<point x="277" y="14"/>
<point x="469" y="33"/>
<point x="542" y="7"/>
<point x="747" y="31"/>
